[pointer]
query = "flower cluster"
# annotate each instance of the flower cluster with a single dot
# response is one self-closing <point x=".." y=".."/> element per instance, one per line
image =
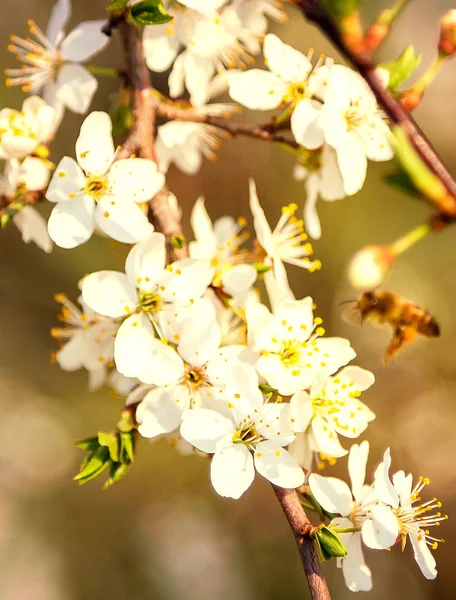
<point x="201" y="357"/>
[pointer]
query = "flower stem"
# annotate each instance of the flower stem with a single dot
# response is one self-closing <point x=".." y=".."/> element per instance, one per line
<point x="382" y="25"/>
<point x="409" y="239"/>
<point x="413" y="96"/>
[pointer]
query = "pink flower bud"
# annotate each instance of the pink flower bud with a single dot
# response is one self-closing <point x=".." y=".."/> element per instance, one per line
<point x="369" y="267"/>
<point x="447" y="42"/>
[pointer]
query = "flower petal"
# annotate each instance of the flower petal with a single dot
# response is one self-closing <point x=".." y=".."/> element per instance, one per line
<point x="326" y="439"/>
<point x="136" y="179"/>
<point x="382" y="530"/>
<point x="311" y="219"/>
<point x="60" y="14"/>
<point x="284" y="60"/>
<point x="382" y="483"/>
<point x="301" y="411"/>
<point x="304" y="124"/>
<point x="71" y="223"/>
<point x="123" y="221"/>
<point x="146" y="261"/>
<point x="186" y="280"/>
<point x="257" y="90"/>
<point x="161" y="46"/>
<point x="109" y="293"/>
<point x="33" y="228"/>
<point x="238" y="280"/>
<point x="357" y="574"/>
<point x="67" y="180"/>
<point x="204" y="428"/>
<point x="357" y="461"/>
<point x="84" y="41"/>
<point x="75" y="87"/>
<point x="200" y="339"/>
<point x="232" y="471"/>
<point x="423" y="556"/>
<point x="277" y="465"/>
<point x="161" y="410"/>
<point x="333" y="494"/>
<point x="94" y="146"/>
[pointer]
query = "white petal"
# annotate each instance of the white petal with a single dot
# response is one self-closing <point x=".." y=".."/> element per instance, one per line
<point x="333" y="494"/>
<point x="161" y="46"/>
<point x="376" y="138"/>
<point x="71" y="223"/>
<point x="202" y="228"/>
<point x="161" y="410"/>
<point x="33" y="228"/>
<point x="200" y="339"/>
<point x="84" y="41"/>
<point x="383" y="486"/>
<point x="204" y="428"/>
<point x="238" y="280"/>
<point x="123" y="221"/>
<point x="262" y="229"/>
<point x="276" y="420"/>
<point x="67" y="181"/>
<point x="242" y="391"/>
<point x="161" y="364"/>
<point x="357" y="574"/>
<point x="136" y="179"/>
<point x="423" y="556"/>
<point x="357" y="461"/>
<point x="285" y="60"/>
<point x="301" y="411"/>
<point x="75" y="87"/>
<point x="109" y="293"/>
<point x="382" y="530"/>
<point x="176" y="78"/>
<point x="352" y="163"/>
<point x="331" y="182"/>
<point x="198" y="74"/>
<point x="34" y="173"/>
<point x="304" y="124"/>
<point x="232" y="471"/>
<point x="186" y="280"/>
<point x="403" y="486"/>
<point x="69" y="357"/>
<point x="311" y="219"/>
<point x="146" y="261"/>
<point x="326" y="439"/>
<point x="281" y="377"/>
<point x="257" y="90"/>
<point x="277" y="465"/>
<point x="94" y="146"/>
<point x="59" y="16"/>
<point x="97" y="378"/>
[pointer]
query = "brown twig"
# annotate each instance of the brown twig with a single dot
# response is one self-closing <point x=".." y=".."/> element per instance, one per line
<point x="170" y="111"/>
<point x="362" y="61"/>
<point x="301" y="526"/>
<point x="142" y="135"/>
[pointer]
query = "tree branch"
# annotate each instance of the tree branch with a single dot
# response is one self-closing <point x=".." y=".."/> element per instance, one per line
<point x="172" y="112"/>
<point x="142" y="135"/>
<point x="301" y="526"/>
<point x="362" y="61"/>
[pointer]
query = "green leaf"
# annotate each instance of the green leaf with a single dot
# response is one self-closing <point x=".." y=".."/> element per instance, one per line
<point x="178" y="241"/>
<point x="401" y="68"/>
<point x="118" y="470"/>
<point x="330" y="543"/>
<point x="117" y="5"/>
<point x="150" y="12"/>
<point x="121" y="117"/>
<point x="96" y="464"/>
<point x="402" y="182"/>
<point x="342" y="8"/>
<point x="89" y="444"/>
<point x="128" y="447"/>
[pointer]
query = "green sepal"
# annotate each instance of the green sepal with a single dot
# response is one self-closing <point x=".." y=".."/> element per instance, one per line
<point x="261" y="268"/>
<point x="402" y="182"/>
<point x="95" y="465"/>
<point x="149" y="12"/>
<point x="127" y="444"/>
<point x="329" y="543"/>
<point x="178" y="241"/>
<point x="117" y="5"/>
<point x="90" y="444"/>
<point x="112" y="442"/>
<point x="266" y="389"/>
<point x="342" y="8"/>
<point x="402" y="67"/>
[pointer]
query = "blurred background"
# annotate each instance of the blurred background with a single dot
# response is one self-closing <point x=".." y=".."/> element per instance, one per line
<point x="163" y="533"/>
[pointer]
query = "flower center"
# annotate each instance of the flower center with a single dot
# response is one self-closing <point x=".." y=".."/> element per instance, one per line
<point x="96" y="186"/>
<point x="150" y="301"/>
<point x="247" y="434"/>
<point x="290" y="352"/>
<point x="195" y="377"/>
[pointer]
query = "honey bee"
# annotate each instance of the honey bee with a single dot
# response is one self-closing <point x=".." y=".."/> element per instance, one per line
<point x="380" y="307"/>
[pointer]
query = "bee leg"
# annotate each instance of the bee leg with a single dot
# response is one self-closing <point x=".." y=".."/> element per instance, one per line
<point x="395" y="345"/>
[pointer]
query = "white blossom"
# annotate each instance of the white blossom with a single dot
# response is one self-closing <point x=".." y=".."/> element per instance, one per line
<point x="251" y="436"/>
<point x="219" y="243"/>
<point x="292" y="350"/>
<point x="95" y="191"/>
<point x="151" y="297"/>
<point x="332" y="408"/>
<point x="21" y="132"/>
<point x="286" y="243"/>
<point x="189" y="376"/>
<point x="53" y="61"/>
<point x="18" y="178"/>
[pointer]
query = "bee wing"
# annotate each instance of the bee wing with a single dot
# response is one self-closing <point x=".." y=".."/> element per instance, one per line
<point x="352" y="315"/>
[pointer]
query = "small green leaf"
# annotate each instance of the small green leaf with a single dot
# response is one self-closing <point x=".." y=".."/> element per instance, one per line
<point x="89" y="444"/>
<point x="261" y="268"/>
<point x="401" y="68"/>
<point x="128" y="447"/>
<point x="118" y="470"/>
<point x="342" y="8"/>
<point x="121" y="117"/>
<point x="402" y="182"/>
<point x="324" y="556"/>
<point x="266" y="389"/>
<point x="150" y="12"/>
<point x="96" y="464"/>
<point x="178" y="241"/>
<point x="117" y="5"/>
<point x="330" y="543"/>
